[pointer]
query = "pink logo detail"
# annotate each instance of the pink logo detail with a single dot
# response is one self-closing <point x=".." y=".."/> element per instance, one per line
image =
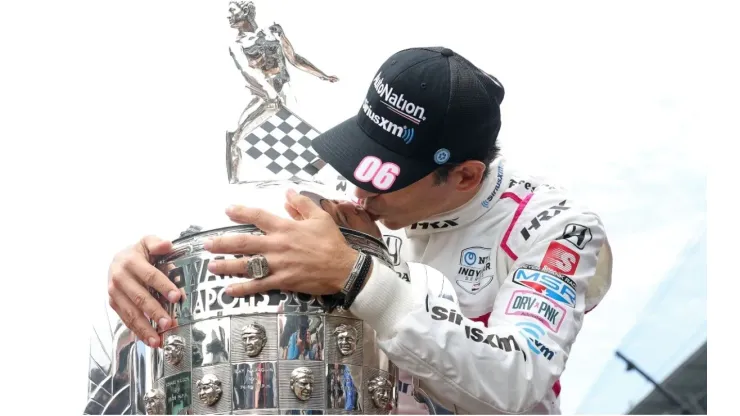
<point x="534" y="305"/>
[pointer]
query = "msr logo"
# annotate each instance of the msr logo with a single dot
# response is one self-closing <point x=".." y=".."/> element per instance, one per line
<point x="405" y="133"/>
<point x="435" y="224"/>
<point x="397" y="103"/>
<point x="558" y="288"/>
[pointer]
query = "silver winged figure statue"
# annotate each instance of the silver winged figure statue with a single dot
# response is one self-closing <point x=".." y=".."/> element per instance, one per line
<point x="260" y="55"/>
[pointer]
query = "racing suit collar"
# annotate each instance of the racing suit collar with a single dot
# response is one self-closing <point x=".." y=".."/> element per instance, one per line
<point x="493" y="186"/>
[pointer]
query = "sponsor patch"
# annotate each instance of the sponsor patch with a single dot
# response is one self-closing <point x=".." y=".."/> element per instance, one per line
<point x="539" y="307"/>
<point x="577" y="234"/>
<point x="560" y="259"/>
<point x="558" y="288"/>
<point x="474" y="272"/>
<point x="475" y="334"/>
<point x="534" y="333"/>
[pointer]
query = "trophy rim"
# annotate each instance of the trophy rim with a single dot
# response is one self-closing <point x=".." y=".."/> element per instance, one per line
<point x="252" y="227"/>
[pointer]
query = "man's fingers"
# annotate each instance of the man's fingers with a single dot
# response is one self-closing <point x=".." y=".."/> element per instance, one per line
<point x="304" y="205"/>
<point x="238" y="244"/>
<point x="292" y="212"/>
<point x="330" y="208"/>
<point x="155" y="246"/>
<point x="262" y="219"/>
<point x="253" y="286"/>
<point x="152" y="277"/>
<point x="135" y="320"/>
<point x="145" y="302"/>
<point x="236" y="267"/>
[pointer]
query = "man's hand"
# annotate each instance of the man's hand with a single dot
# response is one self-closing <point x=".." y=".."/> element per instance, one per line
<point x="306" y="256"/>
<point x="129" y="276"/>
<point x="345" y="214"/>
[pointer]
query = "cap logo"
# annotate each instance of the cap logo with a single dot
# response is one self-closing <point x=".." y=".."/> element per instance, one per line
<point x="442" y="156"/>
<point x="404" y="132"/>
<point x="397" y="103"/>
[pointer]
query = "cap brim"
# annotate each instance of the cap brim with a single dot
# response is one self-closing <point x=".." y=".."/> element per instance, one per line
<point x="345" y="145"/>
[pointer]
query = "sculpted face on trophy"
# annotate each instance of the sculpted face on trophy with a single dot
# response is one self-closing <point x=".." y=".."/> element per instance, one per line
<point x="301" y="382"/>
<point x="154" y="402"/>
<point x="209" y="389"/>
<point x="174" y="349"/>
<point x="346" y="339"/>
<point x="254" y="337"/>
<point x="380" y="391"/>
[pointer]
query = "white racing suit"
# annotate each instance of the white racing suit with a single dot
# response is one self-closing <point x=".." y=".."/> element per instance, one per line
<point x="495" y="295"/>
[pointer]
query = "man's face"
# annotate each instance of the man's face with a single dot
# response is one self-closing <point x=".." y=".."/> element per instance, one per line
<point x="302" y="387"/>
<point x="346" y="342"/>
<point x="381" y="397"/>
<point x="253" y="342"/>
<point x="173" y="351"/>
<point x="153" y="404"/>
<point x="208" y="393"/>
<point x="416" y="202"/>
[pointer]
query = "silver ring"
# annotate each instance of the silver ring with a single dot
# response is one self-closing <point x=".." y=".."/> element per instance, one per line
<point x="257" y="267"/>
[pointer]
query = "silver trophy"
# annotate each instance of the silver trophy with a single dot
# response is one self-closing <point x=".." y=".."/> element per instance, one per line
<point x="270" y="353"/>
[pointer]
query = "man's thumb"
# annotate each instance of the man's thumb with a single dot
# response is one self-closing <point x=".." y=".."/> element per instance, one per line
<point x="155" y="246"/>
<point x="303" y="204"/>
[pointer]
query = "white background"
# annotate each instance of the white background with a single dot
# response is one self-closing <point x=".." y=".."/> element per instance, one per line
<point x="113" y="117"/>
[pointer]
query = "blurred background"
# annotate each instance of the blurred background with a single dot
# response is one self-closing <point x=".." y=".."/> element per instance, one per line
<point x="660" y="366"/>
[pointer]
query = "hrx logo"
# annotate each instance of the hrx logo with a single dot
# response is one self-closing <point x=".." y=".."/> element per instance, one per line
<point x="435" y="224"/>
<point x="545" y="215"/>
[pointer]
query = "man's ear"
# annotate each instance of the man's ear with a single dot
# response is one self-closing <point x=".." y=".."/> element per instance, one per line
<point x="468" y="175"/>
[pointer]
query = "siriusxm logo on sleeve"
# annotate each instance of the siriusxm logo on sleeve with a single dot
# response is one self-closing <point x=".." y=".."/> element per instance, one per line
<point x="558" y="288"/>
<point x="500" y="177"/>
<point x="534" y="334"/>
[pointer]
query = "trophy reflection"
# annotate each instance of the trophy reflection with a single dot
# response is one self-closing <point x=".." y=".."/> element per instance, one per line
<point x="260" y="55"/>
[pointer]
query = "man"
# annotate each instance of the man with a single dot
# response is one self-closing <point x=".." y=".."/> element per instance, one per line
<point x="499" y="280"/>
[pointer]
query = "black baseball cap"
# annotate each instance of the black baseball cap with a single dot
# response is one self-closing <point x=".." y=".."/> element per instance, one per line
<point x="426" y="107"/>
